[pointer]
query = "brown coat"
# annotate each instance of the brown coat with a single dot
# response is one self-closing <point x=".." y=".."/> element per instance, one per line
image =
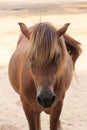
<point x="41" y="70"/>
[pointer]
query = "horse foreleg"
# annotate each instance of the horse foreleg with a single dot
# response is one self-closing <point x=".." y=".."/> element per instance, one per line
<point x="33" y="119"/>
<point x="54" y="116"/>
<point x="37" y="122"/>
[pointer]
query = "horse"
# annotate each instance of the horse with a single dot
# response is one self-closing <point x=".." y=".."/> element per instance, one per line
<point x="41" y="69"/>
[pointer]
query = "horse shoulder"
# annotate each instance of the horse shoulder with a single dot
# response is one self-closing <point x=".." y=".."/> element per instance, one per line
<point x="16" y="62"/>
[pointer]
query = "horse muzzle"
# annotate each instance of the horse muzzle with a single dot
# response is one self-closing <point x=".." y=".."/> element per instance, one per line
<point x="46" y="99"/>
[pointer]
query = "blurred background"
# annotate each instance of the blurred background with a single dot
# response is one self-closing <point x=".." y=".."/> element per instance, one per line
<point x="57" y="12"/>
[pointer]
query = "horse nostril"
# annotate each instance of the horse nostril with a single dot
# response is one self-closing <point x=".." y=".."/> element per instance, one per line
<point x="53" y="99"/>
<point x="46" y="100"/>
<point x="40" y="100"/>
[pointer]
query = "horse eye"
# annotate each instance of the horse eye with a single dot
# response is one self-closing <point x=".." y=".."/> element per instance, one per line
<point x="56" y="57"/>
<point x="30" y="59"/>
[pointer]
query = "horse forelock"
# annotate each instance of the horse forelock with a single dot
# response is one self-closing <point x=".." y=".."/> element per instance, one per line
<point x="44" y="43"/>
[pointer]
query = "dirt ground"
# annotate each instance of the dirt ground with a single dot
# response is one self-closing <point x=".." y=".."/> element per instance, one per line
<point x="74" y="114"/>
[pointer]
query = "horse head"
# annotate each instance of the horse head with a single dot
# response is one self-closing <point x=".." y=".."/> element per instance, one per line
<point x="47" y="58"/>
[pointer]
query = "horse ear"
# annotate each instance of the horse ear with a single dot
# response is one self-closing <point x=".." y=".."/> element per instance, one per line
<point x="62" y="30"/>
<point x="24" y="30"/>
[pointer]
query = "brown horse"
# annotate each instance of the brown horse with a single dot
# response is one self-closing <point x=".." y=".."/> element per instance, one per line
<point x="41" y="69"/>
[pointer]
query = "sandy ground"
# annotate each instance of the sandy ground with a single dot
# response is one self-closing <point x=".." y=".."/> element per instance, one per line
<point x="74" y="114"/>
